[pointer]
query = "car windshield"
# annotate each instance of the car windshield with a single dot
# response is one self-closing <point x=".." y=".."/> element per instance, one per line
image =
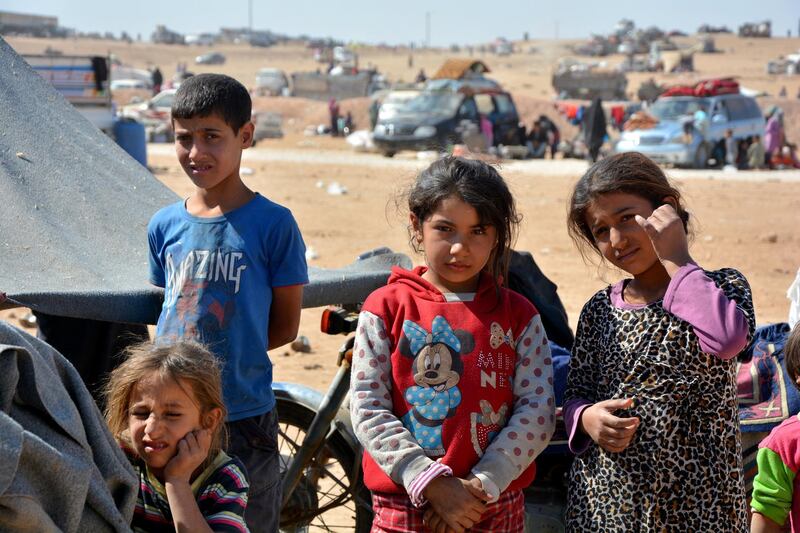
<point x="444" y="103"/>
<point x="674" y="108"/>
<point x="396" y="99"/>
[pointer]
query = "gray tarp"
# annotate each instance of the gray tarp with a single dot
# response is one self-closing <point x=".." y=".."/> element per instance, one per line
<point x="75" y="206"/>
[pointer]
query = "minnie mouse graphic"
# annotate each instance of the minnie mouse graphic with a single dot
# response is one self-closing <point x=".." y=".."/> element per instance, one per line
<point x="437" y="371"/>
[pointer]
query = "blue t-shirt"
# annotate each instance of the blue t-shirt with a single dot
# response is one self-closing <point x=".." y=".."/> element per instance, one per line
<point x="218" y="274"/>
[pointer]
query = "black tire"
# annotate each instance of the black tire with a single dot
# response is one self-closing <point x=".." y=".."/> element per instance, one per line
<point x="388" y="153"/>
<point x="333" y="470"/>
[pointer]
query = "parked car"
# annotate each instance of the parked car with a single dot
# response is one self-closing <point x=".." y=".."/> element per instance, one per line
<point x="200" y="39"/>
<point x="667" y="142"/>
<point x="211" y="58"/>
<point x="433" y="120"/>
<point x="153" y="114"/>
<point x="127" y="84"/>
<point x="271" y="82"/>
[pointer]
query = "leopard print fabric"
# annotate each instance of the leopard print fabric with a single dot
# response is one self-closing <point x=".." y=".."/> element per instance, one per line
<point x="683" y="469"/>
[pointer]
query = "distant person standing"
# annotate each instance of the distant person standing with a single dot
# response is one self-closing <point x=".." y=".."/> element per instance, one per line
<point x="553" y="135"/>
<point x="594" y="128"/>
<point x="333" y="109"/>
<point x="731" y="148"/>
<point x="487" y="129"/>
<point x="756" y="154"/>
<point x="773" y="134"/>
<point x="374" y="108"/>
<point x="700" y="121"/>
<point x="421" y="77"/>
<point x="158" y="80"/>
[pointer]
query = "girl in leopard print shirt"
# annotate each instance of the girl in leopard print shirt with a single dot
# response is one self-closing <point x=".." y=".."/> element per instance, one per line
<point x="651" y="395"/>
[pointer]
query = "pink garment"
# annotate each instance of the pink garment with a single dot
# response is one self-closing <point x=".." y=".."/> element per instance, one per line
<point x="784" y="440"/>
<point x="720" y="326"/>
<point x="772" y="134"/>
<point x="487" y="130"/>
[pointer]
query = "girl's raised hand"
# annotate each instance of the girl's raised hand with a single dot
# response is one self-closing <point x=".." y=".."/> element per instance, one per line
<point x="192" y="451"/>
<point x="665" y="229"/>
<point x="610" y="432"/>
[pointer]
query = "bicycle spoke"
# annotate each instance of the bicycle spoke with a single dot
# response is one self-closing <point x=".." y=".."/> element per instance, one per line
<point x="324" y="502"/>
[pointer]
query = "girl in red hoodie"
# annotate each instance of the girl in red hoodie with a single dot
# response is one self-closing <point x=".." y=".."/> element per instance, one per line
<point x="452" y="387"/>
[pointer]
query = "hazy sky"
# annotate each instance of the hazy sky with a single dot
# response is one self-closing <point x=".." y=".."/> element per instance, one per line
<point x="404" y="21"/>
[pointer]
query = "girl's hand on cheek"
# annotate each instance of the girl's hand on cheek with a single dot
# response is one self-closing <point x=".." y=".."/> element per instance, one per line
<point x="192" y="451"/>
<point x="665" y="229"/>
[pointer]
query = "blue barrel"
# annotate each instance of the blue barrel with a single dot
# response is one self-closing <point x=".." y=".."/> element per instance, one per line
<point x="131" y="137"/>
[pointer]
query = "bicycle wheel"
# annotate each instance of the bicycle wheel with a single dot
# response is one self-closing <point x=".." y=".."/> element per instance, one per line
<point x="322" y="500"/>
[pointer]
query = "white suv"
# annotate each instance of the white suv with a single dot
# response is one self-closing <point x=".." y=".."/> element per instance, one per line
<point x="667" y="143"/>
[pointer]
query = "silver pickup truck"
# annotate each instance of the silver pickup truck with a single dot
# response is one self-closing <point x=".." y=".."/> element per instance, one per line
<point x="83" y="81"/>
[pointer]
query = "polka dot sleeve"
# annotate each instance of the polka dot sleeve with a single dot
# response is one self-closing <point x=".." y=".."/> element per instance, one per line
<point x="532" y="422"/>
<point x="380" y="432"/>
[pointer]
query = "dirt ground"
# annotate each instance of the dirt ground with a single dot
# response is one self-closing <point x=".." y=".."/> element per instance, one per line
<point x="750" y="225"/>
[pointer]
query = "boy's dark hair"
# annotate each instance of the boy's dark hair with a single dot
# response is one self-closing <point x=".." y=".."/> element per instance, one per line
<point x="206" y="94"/>
<point x="628" y="172"/>
<point x="791" y="354"/>
<point x="477" y="184"/>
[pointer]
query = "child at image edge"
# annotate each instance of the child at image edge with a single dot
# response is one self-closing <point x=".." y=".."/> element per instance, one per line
<point x="776" y="495"/>
<point x="452" y="388"/>
<point x="164" y="406"/>
<point x="232" y="264"/>
<point x="650" y="406"/>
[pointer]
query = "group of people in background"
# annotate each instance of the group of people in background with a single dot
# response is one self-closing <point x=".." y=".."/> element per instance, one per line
<point x="543" y="134"/>
<point x="339" y="125"/>
<point x="774" y="151"/>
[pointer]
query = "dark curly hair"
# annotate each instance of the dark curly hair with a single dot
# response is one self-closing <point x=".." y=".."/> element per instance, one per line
<point x="477" y="184"/>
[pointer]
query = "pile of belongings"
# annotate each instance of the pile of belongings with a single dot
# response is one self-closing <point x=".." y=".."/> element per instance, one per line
<point x="641" y="120"/>
<point x="711" y="87"/>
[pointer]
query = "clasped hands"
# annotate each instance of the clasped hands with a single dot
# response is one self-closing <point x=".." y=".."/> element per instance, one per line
<point x="455" y="504"/>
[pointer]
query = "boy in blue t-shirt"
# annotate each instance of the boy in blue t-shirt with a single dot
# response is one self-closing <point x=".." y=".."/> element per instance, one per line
<point x="232" y="264"/>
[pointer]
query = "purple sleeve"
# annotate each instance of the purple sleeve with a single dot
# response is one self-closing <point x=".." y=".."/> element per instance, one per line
<point x="578" y="441"/>
<point x="584" y="373"/>
<point x="720" y="325"/>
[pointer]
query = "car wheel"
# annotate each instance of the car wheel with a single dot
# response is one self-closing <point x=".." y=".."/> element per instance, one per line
<point x="700" y="157"/>
<point x="388" y="153"/>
